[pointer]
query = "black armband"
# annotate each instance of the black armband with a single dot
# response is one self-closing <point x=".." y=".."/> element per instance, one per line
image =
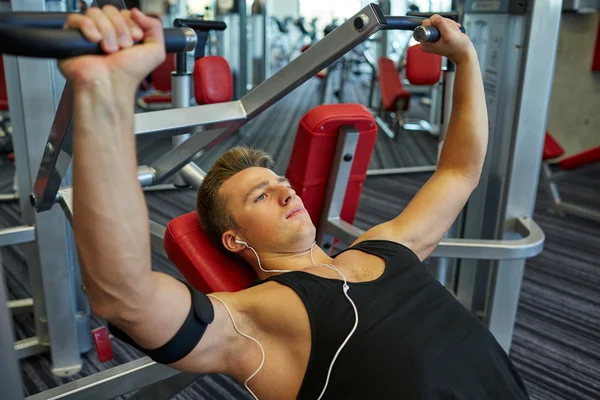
<point x="187" y="337"/>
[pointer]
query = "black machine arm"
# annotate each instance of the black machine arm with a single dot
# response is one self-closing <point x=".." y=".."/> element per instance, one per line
<point x="413" y="22"/>
<point x="39" y="34"/>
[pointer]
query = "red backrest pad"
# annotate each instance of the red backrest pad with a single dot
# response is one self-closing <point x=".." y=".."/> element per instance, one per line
<point x="579" y="160"/>
<point x="161" y="76"/>
<point x="3" y="94"/>
<point x="200" y="261"/>
<point x="314" y="149"/>
<point x="422" y="68"/>
<point x="213" y="81"/>
<point x="552" y="149"/>
<point x="390" y="84"/>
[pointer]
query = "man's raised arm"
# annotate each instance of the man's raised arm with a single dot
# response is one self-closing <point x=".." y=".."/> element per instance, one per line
<point x="110" y="217"/>
<point x="434" y="208"/>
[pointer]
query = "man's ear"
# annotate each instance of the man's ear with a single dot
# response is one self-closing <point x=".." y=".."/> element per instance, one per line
<point x="229" y="242"/>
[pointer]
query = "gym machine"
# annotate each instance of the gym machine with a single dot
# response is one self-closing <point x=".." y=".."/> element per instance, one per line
<point x="211" y="124"/>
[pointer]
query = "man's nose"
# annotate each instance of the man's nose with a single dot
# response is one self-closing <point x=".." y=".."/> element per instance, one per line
<point x="287" y="196"/>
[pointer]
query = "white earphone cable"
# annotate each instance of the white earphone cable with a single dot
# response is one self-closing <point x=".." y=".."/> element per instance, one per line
<point x="248" y="337"/>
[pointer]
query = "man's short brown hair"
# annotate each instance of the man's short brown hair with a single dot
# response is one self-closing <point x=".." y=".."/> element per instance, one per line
<point x="212" y="208"/>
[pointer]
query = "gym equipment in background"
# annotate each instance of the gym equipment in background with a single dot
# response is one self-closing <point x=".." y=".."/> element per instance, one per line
<point x="552" y="151"/>
<point x="223" y="119"/>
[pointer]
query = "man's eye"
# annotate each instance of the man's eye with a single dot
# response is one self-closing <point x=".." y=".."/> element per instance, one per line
<point x="261" y="197"/>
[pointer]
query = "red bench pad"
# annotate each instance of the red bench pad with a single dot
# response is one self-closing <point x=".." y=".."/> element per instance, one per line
<point x="213" y="81"/>
<point x="314" y="149"/>
<point x="200" y="261"/>
<point x="422" y="68"/>
<point x="390" y="85"/>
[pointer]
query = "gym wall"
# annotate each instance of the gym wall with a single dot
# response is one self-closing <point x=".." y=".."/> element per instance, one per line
<point x="285" y="8"/>
<point x="574" y="115"/>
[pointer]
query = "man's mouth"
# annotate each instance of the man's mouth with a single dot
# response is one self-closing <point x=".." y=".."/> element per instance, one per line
<point x="294" y="211"/>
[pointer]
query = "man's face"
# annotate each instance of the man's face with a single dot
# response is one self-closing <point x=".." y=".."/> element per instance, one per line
<point x="271" y="215"/>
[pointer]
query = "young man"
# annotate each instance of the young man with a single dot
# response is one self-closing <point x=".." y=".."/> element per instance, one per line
<point x="371" y="323"/>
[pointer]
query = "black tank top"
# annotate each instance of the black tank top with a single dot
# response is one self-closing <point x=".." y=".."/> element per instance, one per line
<point x="414" y="339"/>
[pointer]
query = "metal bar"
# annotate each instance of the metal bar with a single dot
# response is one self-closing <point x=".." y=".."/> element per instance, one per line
<point x="166" y="388"/>
<point x="65" y="199"/>
<point x="110" y="383"/>
<point x="181" y="84"/>
<point x="10" y="377"/>
<point x="402" y="170"/>
<point x="182" y="120"/>
<point x="17" y="235"/>
<point x="193" y="175"/>
<point x="157" y="238"/>
<point x="579" y="211"/>
<point x="57" y="154"/>
<point x="529" y="245"/>
<point x="171" y="162"/>
<point x="336" y="187"/>
<point x="534" y="89"/>
<point x="317" y="57"/>
<point x="384" y="127"/>
<point x="242" y="80"/>
<point x="22" y="306"/>
<point x="33" y="86"/>
<point x="156" y="188"/>
<point x="29" y="347"/>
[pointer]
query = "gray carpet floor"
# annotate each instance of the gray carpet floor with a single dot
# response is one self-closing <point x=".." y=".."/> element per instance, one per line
<point x="556" y="344"/>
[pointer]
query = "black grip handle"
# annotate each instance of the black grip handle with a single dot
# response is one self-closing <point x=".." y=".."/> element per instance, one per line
<point x="27" y="19"/>
<point x="402" y="23"/>
<point x="421" y="34"/>
<point x="453" y="15"/>
<point x="57" y="43"/>
<point x="200" y="24"/>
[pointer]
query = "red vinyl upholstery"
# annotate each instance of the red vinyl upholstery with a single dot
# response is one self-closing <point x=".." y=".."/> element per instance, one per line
<point x="209" y="270"/>
<point x="422" y="68"/>
<point x="161" y="76"/>
<point x="579" y="160"/>
<point x="213" y="80"/>
<point x="314" y="149"/>
<point x="199" y="260"/>
<point x="3" y="94"/>
<point x="157" y="98"/>
<point x="390" y="86"/>
<point x="552" y="149"/>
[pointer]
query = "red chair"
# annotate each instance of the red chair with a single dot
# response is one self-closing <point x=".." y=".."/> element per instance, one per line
<point x="421" y="69"/>
<point x="209" y="270"/>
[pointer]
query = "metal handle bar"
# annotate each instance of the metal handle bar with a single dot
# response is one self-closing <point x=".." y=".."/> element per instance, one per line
<point x="39" y="34"/>
<point x="421" y="33"/>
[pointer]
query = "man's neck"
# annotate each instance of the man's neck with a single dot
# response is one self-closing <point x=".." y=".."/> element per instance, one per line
<point x="290" y="261"/>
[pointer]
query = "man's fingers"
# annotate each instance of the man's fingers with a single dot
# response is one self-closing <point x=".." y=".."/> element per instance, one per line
<point x="153" y="31"/>
<point x="85" y="25"/>
<point x="136" y="32"/>
<point x="122" y="32"/>
<point x="109" y="42"/>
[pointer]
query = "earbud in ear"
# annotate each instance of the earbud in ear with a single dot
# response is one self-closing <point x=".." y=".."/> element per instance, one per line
<point x="241" y="242"/>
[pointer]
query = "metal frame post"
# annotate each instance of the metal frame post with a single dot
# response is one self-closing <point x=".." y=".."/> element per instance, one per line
<point x="524" y="45"/>
<point x="338" y="182"/>
<point x="31" y="86"/>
